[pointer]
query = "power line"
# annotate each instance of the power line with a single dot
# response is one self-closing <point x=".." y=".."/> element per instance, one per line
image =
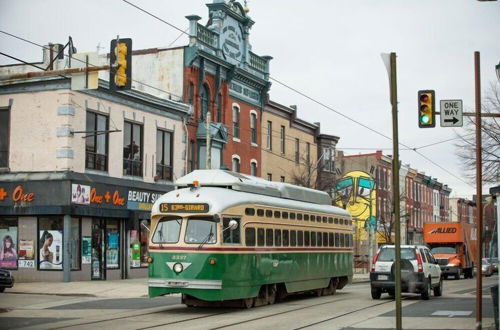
<point x="90" y="64"/>
<point x="318" y="102"/>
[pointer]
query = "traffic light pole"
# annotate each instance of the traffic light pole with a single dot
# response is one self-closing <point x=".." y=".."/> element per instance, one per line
<point x="395" y="191"/>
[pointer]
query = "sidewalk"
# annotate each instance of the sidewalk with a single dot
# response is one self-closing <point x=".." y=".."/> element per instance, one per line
<point x="135" y="288"/>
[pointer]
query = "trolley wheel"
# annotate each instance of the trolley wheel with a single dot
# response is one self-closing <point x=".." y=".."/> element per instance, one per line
<point x="248" y="302"/>
<point x="271" y="291"/>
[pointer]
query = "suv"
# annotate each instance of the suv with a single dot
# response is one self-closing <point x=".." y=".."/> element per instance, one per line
<point x="420" y="272"/>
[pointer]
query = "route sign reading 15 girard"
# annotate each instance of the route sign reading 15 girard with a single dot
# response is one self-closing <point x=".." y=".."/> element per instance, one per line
<point x="451" y="113"/>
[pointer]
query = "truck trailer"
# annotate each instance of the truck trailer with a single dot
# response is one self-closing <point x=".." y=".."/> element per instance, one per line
<point x="454" y="245"/>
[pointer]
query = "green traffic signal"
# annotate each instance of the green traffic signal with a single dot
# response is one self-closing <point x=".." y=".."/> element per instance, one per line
<point x="426" y="109"/>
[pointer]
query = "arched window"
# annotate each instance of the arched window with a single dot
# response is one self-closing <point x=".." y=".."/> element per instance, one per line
<point x="253" y="126"/>
<point x="236" y="122"/>
<point x="205" y="100"/>
<point x="253" y="167"/>
<point x="236" y="164"/>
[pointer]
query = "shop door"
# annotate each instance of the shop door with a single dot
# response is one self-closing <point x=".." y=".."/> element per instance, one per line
<point x="98" y="247"/>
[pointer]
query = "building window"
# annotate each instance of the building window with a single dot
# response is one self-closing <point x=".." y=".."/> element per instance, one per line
<point x="113" y="246"/>
<point x="96" y="144"/>
<point x="236" y="122"/>
<point x="297" y="150"/>
<point x="4" y="136"/>
<point x="253" y="168"/>
<point x="236" y="164"/>
<point x="327" y="160"/>
<point x="163" y="155"/>
<point x="308" y="152"/>
<point x="205" y="101"/>
<point x="269" y="177"/>
<point x="9" y="252"/>
<point x="132" y="149"/>
<point x="269" y="135"/>
<point x="139" y="245"/>
<point x="50" y="244"/>
<point x="219" y="108"/>
<point x="191" y="93"/>
<point x="282" y="178"/>
<point x="253" y="126"/>
<point x="282" y="139"/>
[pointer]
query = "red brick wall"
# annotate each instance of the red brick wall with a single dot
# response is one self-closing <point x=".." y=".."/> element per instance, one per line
<point x="243" y="149"/>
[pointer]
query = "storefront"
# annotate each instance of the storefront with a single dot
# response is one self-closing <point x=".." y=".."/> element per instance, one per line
<point x="97" y="226"/>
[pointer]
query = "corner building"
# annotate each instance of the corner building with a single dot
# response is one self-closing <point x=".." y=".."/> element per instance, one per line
<point x="220" y="76"/>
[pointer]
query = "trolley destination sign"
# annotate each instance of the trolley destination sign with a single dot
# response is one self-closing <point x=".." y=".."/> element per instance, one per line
<point x="184" y="207"/>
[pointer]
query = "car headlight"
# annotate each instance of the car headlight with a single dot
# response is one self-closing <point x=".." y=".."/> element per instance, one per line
<point x="178" y="268"/>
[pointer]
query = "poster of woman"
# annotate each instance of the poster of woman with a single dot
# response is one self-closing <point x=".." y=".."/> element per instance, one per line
<point x="8" y="249"/>
<point x="51" y="252"/>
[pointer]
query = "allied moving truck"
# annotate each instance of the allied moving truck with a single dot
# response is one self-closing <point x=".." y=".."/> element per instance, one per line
<point x="454" y="245"/>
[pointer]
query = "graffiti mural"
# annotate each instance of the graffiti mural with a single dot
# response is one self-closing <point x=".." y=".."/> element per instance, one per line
<point x="356" y="193"/>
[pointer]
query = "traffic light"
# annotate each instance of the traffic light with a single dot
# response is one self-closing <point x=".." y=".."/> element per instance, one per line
<point x="120" y="72"/>
<point x="426" y="109"/>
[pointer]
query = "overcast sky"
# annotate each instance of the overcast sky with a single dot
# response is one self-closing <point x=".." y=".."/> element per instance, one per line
<point x="328" y="50"/>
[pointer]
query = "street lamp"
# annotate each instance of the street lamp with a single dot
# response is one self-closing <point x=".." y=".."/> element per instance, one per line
<point x="497" y="69"/>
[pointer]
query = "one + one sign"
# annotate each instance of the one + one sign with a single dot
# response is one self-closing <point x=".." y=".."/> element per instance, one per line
<point x="451" y="112"/>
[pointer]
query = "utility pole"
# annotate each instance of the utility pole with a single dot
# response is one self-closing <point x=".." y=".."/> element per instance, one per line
<point x="479" y="195"/>
<point x="395" y="187"/>
<point x="208" y="164"/>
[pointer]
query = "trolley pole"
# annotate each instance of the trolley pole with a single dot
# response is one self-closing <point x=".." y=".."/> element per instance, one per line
<point x="395" y="185"/>
<point x="479" y="195"/>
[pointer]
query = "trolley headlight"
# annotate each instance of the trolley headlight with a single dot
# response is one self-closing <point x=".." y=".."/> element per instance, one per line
<point x="178" y="268"/>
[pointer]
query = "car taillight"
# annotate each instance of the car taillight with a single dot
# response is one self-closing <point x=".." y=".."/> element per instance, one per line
<point x="375" y="257"/>
<point x="419" y="263"/>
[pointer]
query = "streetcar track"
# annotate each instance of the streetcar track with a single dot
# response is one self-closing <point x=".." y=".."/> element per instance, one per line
<point x="279" y="313"/>
<point x="347" y="313"/>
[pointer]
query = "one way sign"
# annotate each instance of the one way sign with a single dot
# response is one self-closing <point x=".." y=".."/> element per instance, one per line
<point x="451" y="112"/>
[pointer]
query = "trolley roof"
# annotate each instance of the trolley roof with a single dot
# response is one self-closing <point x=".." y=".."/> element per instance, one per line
<point x="220" y="199"/>
<point x="254" y="185"/>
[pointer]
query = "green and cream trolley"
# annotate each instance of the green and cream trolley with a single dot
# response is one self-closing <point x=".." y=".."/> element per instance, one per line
<point x="227" y="238"/>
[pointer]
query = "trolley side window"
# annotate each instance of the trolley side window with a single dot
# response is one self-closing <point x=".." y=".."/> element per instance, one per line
<point x="201" y="231"/>
<point x="167" y="230"/>
<point x="299" y="216"/>
<point x="285" y="238"/>
<point x="313" y="238"/>
<point x="249" y="211"/>
<point x="330" y="239"/>
<point x="260" y="237"/>
<point x="277" y="237"/>
<point x="325" y="239"/>
<point x="269" y="237"/>
<point x="260" y="212"/>
<point x="306" y="238"/>
<point x="230" y="236"/>
<point x="300" y="238"/>
<point x="337" y="240"/>
<point x="318" y="239"/>
<point x="293" y="238"/>
<point x="250" y="236"/>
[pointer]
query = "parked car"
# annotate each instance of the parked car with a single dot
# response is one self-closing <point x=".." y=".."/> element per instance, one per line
<point x="420" y="272"/>
<point x="486" y="267"/>
<point x="494" y="263"/>
<point x="6" y="279"/>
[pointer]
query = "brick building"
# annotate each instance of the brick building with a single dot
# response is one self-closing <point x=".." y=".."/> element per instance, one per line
<point x="216" y="73"/>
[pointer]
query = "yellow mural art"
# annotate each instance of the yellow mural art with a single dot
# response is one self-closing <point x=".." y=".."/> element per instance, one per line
<point x="357" y="194"/>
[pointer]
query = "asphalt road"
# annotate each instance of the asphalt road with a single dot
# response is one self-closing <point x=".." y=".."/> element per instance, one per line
<point x="350" y="308"/>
